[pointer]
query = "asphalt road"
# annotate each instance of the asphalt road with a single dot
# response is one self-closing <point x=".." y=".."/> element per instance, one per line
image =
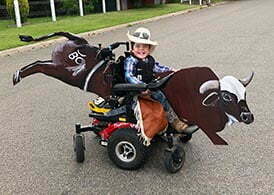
<point x="38" y="115"/>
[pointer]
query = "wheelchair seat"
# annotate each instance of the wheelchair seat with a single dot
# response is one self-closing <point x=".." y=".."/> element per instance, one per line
<point x="121" y="88"/>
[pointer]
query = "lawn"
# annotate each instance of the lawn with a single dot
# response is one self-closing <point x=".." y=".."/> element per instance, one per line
<point x="76" y="24"/>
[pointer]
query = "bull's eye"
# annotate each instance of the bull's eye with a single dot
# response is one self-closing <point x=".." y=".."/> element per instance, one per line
<point x="226" y="97"/>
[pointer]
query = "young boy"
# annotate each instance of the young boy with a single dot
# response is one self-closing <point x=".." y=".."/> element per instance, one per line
<point x="140" y="67"/>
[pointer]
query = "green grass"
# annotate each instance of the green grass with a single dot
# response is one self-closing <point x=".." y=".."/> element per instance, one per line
<point x="76" y="24"/>
<point x="216" y="1"/>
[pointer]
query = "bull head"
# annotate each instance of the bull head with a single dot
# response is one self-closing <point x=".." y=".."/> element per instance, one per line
<point x="229" y="93"/>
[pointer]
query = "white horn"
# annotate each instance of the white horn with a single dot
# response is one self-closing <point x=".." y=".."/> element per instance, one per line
<point x="247" y="80"/>
<point x="208" y="85"/>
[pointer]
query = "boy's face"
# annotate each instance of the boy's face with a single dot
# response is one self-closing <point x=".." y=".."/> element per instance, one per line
<point x="141" y="50"/>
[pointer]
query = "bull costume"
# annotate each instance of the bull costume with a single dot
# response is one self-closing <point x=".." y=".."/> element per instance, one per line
<point x="197" y="95"/>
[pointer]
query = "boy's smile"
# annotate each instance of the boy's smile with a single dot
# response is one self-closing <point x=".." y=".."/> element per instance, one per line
<point x="141" y="51"/>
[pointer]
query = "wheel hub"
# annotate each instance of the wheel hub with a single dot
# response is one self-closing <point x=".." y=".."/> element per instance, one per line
<point x="125" y="151"/>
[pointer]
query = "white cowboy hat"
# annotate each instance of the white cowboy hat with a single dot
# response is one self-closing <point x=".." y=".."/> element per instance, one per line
<point x="142" y="35"/>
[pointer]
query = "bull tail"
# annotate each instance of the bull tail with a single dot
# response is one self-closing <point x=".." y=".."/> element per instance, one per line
<point x="78" y="40"/>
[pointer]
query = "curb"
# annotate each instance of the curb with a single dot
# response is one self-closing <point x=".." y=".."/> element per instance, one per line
<point x="44" y="44"/>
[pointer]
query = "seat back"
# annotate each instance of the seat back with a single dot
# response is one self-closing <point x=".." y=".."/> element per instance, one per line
<point x="115" y="73"/>
<point x="118" y="71"/>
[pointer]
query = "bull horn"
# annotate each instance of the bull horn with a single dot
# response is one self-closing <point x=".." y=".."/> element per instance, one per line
<point x="247" y="80"/>
<point x="209" y="85"/>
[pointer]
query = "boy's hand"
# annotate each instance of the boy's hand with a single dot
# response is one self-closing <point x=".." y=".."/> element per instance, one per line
<point x="104" y="53"/>
<point x="146" y="92"/>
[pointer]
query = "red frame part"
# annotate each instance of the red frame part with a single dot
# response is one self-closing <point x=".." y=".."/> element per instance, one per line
<point x="106" y="133"/>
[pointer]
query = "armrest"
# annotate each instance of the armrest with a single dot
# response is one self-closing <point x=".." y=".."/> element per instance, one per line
<point x="159" y="83"/>
<point x="129" y="87"/>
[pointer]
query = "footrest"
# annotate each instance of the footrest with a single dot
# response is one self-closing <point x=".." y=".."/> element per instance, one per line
<point x="93" y="107"/>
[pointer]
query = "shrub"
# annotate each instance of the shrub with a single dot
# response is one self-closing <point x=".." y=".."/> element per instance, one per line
<point x="71" y="7"/>
<point x="92" y="6"/>
<point x="23" y="6"/>
<point x="174" y="1"/>
<point x="137" y="3"/>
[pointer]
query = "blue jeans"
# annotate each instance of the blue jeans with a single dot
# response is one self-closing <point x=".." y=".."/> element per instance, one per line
<point x="160" y="97"/>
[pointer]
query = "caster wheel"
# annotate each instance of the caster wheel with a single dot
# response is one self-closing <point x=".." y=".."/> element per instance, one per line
<point x="174" y="160"/>
<point x="79" y="147"/>
<point x="125" y="150"/>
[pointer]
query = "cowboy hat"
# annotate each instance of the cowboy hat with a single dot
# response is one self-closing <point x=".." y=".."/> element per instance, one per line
<point x="142" y="35"/>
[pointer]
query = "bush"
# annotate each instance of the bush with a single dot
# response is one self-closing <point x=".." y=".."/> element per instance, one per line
<point x="92" y="5"/>
<point x="23" y="6"/>
<point x="137" y="3"/>
<point x="41" y="8"/>
<point x="88" y="6"/>
<point x="174" y="1"/>
<point x="71" y="7"/>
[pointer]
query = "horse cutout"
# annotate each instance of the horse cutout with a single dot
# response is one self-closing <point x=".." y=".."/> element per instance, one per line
<point x="196" y="94"/>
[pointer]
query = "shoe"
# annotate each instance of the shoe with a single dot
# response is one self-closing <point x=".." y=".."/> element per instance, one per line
<point x="179" y="125"/>
<point x="190" y="129"/>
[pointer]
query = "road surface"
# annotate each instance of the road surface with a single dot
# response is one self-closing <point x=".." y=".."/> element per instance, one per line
<point x="38" y="115"/>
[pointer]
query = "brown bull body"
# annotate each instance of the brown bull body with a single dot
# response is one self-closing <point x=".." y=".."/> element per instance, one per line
<point x="182" y="91"/>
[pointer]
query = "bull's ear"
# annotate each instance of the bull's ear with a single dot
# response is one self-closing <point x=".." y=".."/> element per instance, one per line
<point x="247" y="80"/>
<point x="211" y="99"/>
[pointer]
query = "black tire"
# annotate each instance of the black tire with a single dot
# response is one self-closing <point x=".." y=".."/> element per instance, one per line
<point x="126" y="150"/>
<point x="186" y="138"/>
<point x="174" y="160"/>
<point x="79" y="148"/>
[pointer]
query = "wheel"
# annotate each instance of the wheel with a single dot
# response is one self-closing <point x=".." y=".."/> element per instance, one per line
<point x="79" y="148"/>
<point x="174" y="160"/>
<point x="125" y="150"/>
<point x="186" y="138"/>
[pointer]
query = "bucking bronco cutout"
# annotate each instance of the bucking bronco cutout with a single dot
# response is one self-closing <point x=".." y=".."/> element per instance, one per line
<point x="195" y="94"/>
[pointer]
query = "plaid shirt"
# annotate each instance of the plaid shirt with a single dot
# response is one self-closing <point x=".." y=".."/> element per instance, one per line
<point x="130" y="63"/>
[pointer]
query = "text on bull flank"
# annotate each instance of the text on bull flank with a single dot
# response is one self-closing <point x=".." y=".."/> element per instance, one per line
<point x="78" y="58"/>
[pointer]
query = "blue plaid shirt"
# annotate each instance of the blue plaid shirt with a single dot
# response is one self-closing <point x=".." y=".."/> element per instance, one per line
<point x="129" y="64"/>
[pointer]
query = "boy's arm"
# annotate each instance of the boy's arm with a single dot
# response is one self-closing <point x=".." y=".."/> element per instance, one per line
<point x="128" y="66"/>
<point x="161" y="68"/>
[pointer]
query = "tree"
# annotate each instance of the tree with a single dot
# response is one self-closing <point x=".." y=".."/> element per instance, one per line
<point x="23" y="6"/>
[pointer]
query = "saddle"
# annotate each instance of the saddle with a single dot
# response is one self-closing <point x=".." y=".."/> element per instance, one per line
<point x="151" y="118"/>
